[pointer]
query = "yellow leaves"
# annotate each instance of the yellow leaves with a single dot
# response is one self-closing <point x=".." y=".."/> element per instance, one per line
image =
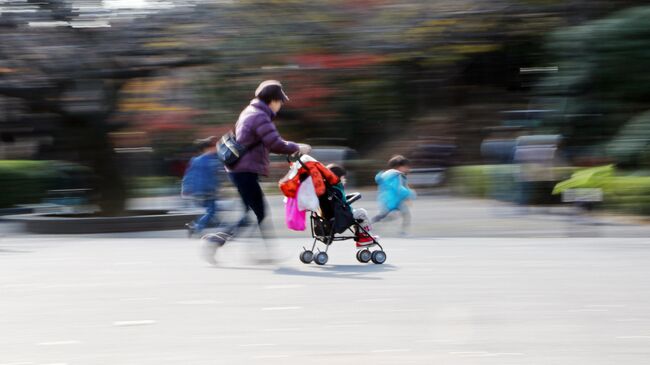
<point x="148" y="92"/>
<point x="447" y="28"/>
<point x="443" y="54"/>
<point x="479" y="26"/>
<point x="145" y="86"/>
<point x="448" y="54"/>
<point x="149" y="106"/>
<point x="473" y="48"/>
<point x="426" y="30"/>
<point x="163" y="44"/>
<point x="440" y="22"/>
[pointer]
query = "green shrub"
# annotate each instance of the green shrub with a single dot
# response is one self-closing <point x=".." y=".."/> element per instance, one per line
<point x="625" y="193"/>
<point x="153" y="182"/>
<point x="500" y="182"/>
<point x="630" y="194"/>
<point x="24" y="181"/>
<point x="153" y="186"/>
<point x="483" y="180"/>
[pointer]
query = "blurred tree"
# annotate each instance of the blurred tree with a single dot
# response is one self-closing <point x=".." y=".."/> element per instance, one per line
<point x="603" y="78"/>
<point x="71" y="64"/>
<point x="360" y="70"/>
<point x="631" y="146"/>
<point x="367" y="70"/>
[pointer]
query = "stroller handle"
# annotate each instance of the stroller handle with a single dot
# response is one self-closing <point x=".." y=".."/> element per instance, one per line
<point x="351" y="198"/>
<point x="296" y="157"/>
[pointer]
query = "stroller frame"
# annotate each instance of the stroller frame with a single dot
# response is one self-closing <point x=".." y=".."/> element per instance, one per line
<point x="328" y="239"/>
<point x="328" y="236"/>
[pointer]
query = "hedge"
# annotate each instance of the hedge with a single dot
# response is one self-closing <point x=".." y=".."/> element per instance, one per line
<point x="630" y="194"/>
<point x="624" y="193"/>
<point x="27" y="181"/>
<point x="482" y="180"/>
<point x="499" y="182"/>
<point x="153" y="186"/>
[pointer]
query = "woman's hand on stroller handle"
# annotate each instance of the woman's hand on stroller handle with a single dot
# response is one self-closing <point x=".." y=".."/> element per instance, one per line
<point x="304" y="148"/>
<point x="294" y="157"/>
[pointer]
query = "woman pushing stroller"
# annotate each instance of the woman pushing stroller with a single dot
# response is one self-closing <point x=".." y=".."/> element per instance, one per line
<point x="245" y="154"/>
<point x="255" y="136"/>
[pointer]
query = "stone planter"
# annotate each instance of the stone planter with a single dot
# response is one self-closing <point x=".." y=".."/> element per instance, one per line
<point x="139" y="220"/>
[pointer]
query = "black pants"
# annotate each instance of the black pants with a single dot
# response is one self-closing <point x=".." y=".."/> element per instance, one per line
<point x="250" y="191"/>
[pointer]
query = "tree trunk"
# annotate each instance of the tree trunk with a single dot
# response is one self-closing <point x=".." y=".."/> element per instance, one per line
<point x="96" y="151"/>
<point x="111" y="186"/>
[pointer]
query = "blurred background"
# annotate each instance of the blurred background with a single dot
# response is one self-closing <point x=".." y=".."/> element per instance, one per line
<point x="526" y="102"/>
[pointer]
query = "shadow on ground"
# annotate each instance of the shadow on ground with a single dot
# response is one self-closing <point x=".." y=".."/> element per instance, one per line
<point x="359" y="272"/>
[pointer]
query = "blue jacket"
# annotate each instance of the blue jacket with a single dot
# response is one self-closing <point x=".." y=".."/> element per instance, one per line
<point x="393" y="189"/>
<point x="201" y="178"/>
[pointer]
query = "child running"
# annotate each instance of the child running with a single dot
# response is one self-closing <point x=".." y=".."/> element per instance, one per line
<point x="200" y="183"/>
<point x="394" y="192"/>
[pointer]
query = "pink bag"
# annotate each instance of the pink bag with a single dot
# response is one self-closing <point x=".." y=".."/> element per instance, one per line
<point x="294" y="217"/>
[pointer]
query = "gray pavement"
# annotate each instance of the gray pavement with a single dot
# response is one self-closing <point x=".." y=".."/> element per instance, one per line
<point x="449" y="216"/>
<point x="150" y="300"/>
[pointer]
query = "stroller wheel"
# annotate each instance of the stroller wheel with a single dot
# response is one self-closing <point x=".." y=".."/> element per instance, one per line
<point x="364" y="256"/>
<point x="306" y="256"/>
<point x="378" y="257"/>
<point x="321" y="258"/>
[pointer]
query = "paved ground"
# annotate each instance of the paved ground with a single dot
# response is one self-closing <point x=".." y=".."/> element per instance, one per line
<point x="445" y="216"/>
<point x="442" y="216"/>
<point x="124" y="300"/>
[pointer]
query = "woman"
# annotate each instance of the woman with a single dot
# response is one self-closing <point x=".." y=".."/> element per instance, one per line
<point x="256" y="131"/>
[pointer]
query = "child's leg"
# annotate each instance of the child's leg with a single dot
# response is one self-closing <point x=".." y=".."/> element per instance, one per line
<point x="406" y="218"/>
<point x="363" y="236"/>
<point x="361" y="215"/>
<point x="210" y="211"/>
<point x="381" y="216"/>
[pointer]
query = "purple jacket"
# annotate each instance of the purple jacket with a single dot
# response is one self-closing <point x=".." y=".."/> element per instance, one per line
<point x="255" y="125"/>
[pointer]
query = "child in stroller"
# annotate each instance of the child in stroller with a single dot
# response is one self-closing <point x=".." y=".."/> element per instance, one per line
<point x="362" y="234"/>
<point x="335" y="218"/>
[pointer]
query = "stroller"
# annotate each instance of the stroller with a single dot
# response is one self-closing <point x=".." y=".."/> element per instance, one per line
<point x="336" y="222"/>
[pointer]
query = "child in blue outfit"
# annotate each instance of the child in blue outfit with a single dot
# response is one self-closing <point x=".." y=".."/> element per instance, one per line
<point x="394" y="192"/>
<point x="201" y="183"/>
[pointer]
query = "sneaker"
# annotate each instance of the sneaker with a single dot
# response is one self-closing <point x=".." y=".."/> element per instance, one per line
<point x="210" y="243"/>
<point x="219" y="238"/>
<point x="208" y="250"/>
<point x="365" y="240"/>
<point x="191" y="229"/>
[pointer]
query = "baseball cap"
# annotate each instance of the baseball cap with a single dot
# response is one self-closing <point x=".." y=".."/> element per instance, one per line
<point x="271" y="83"/>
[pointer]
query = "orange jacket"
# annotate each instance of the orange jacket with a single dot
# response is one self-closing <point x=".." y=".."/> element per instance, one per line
<point x="319" y="174"/>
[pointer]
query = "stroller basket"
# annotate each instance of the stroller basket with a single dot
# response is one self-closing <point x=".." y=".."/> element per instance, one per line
<point x="322" y="228"/>
<point x="319" y="226"/>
